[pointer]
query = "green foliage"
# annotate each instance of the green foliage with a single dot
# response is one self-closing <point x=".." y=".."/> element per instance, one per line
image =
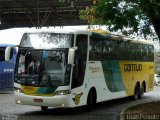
<point x="69" y="1"/>
<point x="119" y="13"/>
<point x="138" y="15"/>
<point x="61" y="1"/>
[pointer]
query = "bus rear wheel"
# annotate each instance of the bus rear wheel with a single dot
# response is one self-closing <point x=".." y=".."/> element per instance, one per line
<point x="136" y="92"/>
<point x="142" y="90"/>
<point x="44" y="108"/>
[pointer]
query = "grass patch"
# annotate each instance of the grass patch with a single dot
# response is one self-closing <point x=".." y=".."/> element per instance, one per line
<point x="145" y="111"/>
<point x="145" y="108"/>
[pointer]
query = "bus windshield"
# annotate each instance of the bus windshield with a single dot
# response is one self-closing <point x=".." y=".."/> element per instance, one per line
<point x="2" y="52"/>
<point x="43" y="68"/>
<point x="47" y="40"/>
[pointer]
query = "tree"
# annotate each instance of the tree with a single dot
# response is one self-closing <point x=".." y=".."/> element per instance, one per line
<point x="141" y="16"/>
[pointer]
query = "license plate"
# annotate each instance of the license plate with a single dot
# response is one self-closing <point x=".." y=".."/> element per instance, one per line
<point x="38" y="100"/>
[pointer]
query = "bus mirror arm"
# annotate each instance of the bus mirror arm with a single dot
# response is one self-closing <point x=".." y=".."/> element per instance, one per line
<point x="8" y="52"/>
<point x="71" y="55"/>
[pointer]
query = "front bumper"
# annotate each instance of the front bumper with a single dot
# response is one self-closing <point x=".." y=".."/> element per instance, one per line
<point x="49" y="101"/>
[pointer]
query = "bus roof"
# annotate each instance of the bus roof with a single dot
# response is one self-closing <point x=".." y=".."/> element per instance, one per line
<point x="120" y="38"/>
<point x="6" y="45"/>
<point x="96" y="33"/>
<point x="67" y="31"/>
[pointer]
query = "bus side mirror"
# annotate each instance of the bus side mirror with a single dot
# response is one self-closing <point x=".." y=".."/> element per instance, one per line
<point x="8" y="53"/>
<point x="71" y="55"/>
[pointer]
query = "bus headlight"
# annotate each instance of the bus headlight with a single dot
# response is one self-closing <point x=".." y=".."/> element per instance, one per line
<point x="19" y="90"/>
<point x="62" y="92"/>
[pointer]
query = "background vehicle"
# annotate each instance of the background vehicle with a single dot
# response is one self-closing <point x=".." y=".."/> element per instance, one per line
<point x="81" y="68"/>
<point x="7" y="68"/>
<point x="157" y="79"/>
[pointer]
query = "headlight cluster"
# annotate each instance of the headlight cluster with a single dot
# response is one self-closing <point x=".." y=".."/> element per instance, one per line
<point x="62" y="92"/>
<point x="19" y="90"/>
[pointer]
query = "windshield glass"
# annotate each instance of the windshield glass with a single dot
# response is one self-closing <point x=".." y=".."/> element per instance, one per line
<point x="43" y="67"/>
<point x="2" y="52"/>
<point x="47" y="40"/>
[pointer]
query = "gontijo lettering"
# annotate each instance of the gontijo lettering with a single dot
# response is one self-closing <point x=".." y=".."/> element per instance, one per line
<point x="132" y="67"/>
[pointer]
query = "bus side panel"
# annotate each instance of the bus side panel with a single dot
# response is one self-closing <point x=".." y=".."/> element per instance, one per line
<point x="133" y="72"/>
<point x="6" y="75"/>
<point x="7" y="72"/>
<point x="105" y="76"/>
<point x="116" y="79"/>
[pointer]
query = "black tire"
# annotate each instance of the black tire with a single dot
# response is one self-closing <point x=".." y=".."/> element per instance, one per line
<point x="44" y="108"/>
<point x="142" y="90"/>
<point x="89" y="106"/>
<point x="136" y="92"/>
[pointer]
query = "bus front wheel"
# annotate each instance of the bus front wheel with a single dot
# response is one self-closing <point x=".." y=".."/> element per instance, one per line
<point x="91" y="100"/>
<point x="44" y="108"/>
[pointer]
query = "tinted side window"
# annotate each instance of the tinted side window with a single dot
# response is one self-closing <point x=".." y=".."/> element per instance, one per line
<point x="2" y="54"/>
<point x="96" y="49"/>
<point x="120" y="50"/>
<point x="107" y="50"/>
<point x="151" y="53"/>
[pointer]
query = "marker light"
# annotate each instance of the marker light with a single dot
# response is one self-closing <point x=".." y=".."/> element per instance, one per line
<point x="19" y="90"/>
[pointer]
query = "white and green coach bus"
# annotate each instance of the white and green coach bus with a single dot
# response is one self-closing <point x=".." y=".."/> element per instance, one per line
<point x="81" y="68"/>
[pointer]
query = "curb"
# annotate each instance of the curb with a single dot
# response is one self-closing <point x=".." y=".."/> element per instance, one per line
<point x="122" y="113"/>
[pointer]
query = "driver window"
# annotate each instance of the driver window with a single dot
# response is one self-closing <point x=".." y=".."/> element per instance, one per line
<point x="80" y="61"/>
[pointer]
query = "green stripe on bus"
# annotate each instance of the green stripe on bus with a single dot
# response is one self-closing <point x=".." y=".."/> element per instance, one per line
<point x="112" y="73"/>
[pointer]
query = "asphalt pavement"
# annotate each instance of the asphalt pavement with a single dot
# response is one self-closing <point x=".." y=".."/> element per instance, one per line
<point x="109" y="110"/>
